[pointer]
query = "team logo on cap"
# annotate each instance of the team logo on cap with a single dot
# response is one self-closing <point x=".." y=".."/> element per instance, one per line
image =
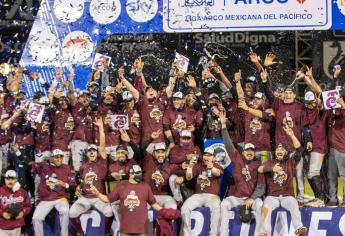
<point x="132" y="201"/>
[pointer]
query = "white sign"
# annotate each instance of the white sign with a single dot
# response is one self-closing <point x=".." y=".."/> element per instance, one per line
<point x="330" y="99"/>
<point x="100" y="62"/>
<point x="239" y="15"/>
<point x="120" y="122"/>
<point x="181" y="62"/>
<point x="35" y="112"/>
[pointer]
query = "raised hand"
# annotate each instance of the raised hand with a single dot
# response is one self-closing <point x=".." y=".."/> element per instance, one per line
<point x="121" y="72"/>
<point x="288" y="130"/>
<point x="269" y="59"/>
<point x="277" y="168"/>
<point x="124" y="136"/>
<point x="191" y="81"/>
<point x="264" y="75"/>
<point x="238" y="76"/>
<point x="156" y="134"/>
<point x="98" y="122"/>
<point x="253" y="57"/>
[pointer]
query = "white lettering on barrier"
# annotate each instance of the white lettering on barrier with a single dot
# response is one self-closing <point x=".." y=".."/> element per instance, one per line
<point x="341" y="224"/>
<point x="314" y="222"/>
<point x="95" y="219"/>
<point x="199" y="222"/>
<point x="281" y="226"/>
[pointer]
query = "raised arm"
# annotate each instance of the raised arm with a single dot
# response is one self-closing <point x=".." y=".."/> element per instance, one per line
<point x="52" y="89"/>
<point x="128" y="85"/>
<point x="229" y="146"/>
<point x="222" y="76"/>
<point x="310" y="81"/>
<point x="255" y="60"/>
<point x="239" y="89"/>
<point x="258" y="113"/>
<point x="99" y="123"/>
<point x="296" y="143"/>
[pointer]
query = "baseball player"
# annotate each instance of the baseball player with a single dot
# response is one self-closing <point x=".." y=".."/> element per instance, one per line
<point x="279" y="175"/>
<point x="14" y="205"/>
<point x="134" y="195"/>
<point x="207" y="187"/>
<point x="93" y="172"/>
<point x="57" y="180"/>
<point x="247" y="187"/>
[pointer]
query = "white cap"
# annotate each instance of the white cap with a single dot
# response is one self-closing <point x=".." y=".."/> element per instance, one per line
<point x="135" y="169"/>
<point x="126" y="96"/>
<point x="93" y="83"/>
<point x="209" y="150"/>
<point x="178" y="95"/>
<point x="92" y="146"/>
<point x="259" y="95"/>
<point x="252" y="78"/>
<point x="44" y="100"/>
<point x="186" y="133"/>
<point x="57" y="152"/>
<point x="213" y="95"/>
<point x="159" y="146"/>
<point x="309" y="96"/>
<point x="249" y="146"/>
<point x="10" y="174"/>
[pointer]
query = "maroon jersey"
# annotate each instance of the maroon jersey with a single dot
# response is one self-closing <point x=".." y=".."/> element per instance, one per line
<point x="133" y="206"/>
<point x="235" y="115"/>
<point x="157" y="175"/>
<point x="257" y="132"/>
<point x="245" y="175"/>
<point x="93" y="173"/>
<point x="62" y="132"/>
<point x="23" y="133"/>
<point x="293" y="115"/>
<point x="112" y="137"/>
<point x="336" y="132"/>
<point x="177" y="154"/>
<point x="5" y="135"/>
<point x="42" y="137"/>
<point x="152" y="116"/>
<point x="317" y="121"/>
<point x="49" y="174"/>
<point x="83" y="124"/>
<point x="9" y="103"/>
<point x="177" y="121"/>
<point x="7" y="197"/>
<point x="197" y="114"/>
<point x="122" y="169"/>
<point x="135" y="126"/>
<point x="280" y="183"/>
<point x="205" y="183"/>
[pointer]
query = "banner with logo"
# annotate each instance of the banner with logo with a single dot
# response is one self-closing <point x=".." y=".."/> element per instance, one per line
<point x="120" y="122"/>
<point x="244" y="15"/>
<point x="330" y="99"/>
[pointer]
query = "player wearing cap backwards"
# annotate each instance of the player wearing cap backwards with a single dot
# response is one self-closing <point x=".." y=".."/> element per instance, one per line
<point x="92" y="173"/>
<point x="247" y="187"/>
<point x="151" y="106"/>
<point x="257" y="125"/>
<point x="208" y="175"/>
<point x="14" y="205"/>
<point x="134" y="195"/>
<point x="290" y="112"/>
<point x="57" y="180"/>
<point x="279" y="174"/>
<point x="177" y="118"/>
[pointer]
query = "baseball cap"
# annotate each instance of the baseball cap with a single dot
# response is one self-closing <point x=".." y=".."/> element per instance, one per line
<point x="249" y="146"/>
<point x="178" y="95"/>
<point x="251" y="79"/>
<point x="281" y="145"/>
<point x="10" y="174"/>
<point x="44" y="100"/>
<point x="159" y="146"/>
<point x="213" y="95"/>
<point x="57" y="152"/>
<point x="209" y="150"/>
<point x="186" y="133"/>
<point x="259" y="95"/>
<point x="1" y="88"/>
<point x="93" y="83"/>
<point x="309" y="97"/>
<point x="122" y="148"/>
<point x="289" y="88"/>
<point x="135" y="169"/>
<point x="127" y="96"/>
<point x="92" y="146"/>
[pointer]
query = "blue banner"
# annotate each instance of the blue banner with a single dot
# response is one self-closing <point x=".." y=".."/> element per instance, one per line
<point x="338" y="14"/>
